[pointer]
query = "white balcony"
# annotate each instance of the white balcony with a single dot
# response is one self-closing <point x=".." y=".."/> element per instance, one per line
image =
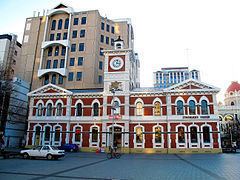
<point x="46" y="44"/>
<point x="62" y="71"/>
<point x="67" y="10"/>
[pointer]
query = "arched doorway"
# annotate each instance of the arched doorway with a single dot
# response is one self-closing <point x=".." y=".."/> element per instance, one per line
<point x="118" y="135"/>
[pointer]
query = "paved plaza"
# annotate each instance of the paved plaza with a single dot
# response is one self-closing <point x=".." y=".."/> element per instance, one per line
<point x="129" y="166"/>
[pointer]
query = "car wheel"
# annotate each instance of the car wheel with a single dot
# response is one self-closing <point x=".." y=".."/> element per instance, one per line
<point x="71" y="150"/>
<point x="25" y="156"/>
<point x="49" y="156"/>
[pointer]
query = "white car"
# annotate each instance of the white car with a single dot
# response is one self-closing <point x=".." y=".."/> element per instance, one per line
<point x="47" y="151"/>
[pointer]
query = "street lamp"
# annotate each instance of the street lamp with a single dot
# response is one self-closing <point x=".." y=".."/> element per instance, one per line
<point x="113" y="114"/>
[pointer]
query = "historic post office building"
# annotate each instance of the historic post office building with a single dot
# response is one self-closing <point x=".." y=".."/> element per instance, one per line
<point x="182" y="118"/>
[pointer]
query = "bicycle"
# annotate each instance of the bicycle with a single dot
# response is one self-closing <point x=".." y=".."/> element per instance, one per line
<point x="113" y="154"/>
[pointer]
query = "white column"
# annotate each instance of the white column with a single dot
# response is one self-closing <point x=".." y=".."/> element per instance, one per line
<point x="68" y="115"/>
<point x="31" y="107"/>
<point x="215" y="106"/>
<point x="126" y="135"/>
<point x="169" y="113"/>
<point x="68" y="36"/>
<point x="104" y="136"/>
<point x="104" y="105"/>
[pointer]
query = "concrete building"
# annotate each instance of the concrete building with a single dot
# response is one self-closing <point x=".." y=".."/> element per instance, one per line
<point x="180" y="119"/>
<point x="173" y="75"/>
<point x="64" y="47"/>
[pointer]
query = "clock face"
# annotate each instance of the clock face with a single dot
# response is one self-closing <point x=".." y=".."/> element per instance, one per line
<point x="116" y="63"/>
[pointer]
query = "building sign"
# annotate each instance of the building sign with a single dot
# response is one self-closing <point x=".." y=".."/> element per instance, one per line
<point x="111" y="117"/>
<point x="196" y="117"/>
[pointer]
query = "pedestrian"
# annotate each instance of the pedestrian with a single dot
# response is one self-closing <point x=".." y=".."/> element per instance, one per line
<point x="2" y="142"/>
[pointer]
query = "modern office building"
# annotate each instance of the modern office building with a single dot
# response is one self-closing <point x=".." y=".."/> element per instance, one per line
<point x="180" y="119"/>
<point x="64" y="47"/>
<point x="173" y="75"/>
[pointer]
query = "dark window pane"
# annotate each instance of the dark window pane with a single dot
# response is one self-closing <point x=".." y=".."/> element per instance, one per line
<point x="73" y="47"/>
<point x="80" y="61"/>
<point x="62" y="63"/>
<point x="63" y="51"/>
<point x="107" y="40"/>
<point x="48" y="65"/>
<point x="84" y="20"/>
<point x="51" y="37"/>
<point x="60" y="79"/>
<point x="206" y="134"/>
<point x="75" y="21"/>
<point x="56" y="51"/>
<point x="101" y="53"/>
<point x="54" y="79"/>
<point x="58" y="36"/>
<point x="95" y="109"/>
<point x="74" y="34"/>
<point x="71" y="62"/>
<point x="192" y="107"/>
<point x="193" y="134"/>
<point x="66" y="23"/>
<point x="108" y="28"/>
<point x="102" y="39"/>
<point x="100" y="79"/>
<point x="53" y="25"/>
<point x="60" y="24"/>
<point x="113" y="29"/>
<point x="102" y="26"/>
<point x="55" y="63"/>
<point x="94" y="134"/>
<point x="100" y="65"/>
<point x="50" y="51"/>
<point x="81" y="46"/>
<point x="82" y="33"/>
<point x="79" y="76"/>
<point x="70" y="76"/>
<point x="180" y="110"/>
<point x="64" y="35"/>
<point x="46" y="79"/>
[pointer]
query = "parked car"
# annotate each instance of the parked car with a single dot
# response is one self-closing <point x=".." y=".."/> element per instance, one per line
<point x="47" y="151"/>
<point x="69" y="147"/>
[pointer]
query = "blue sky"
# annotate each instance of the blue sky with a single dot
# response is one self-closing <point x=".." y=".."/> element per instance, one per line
<point x="163" y="30"/>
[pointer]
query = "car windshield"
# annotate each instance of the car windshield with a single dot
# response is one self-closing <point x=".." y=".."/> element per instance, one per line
<point x="54" y="148"/>
<point x="37" y="148"/>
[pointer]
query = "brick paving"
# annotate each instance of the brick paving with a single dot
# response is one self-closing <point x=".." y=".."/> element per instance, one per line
<point x="129" y="166"/>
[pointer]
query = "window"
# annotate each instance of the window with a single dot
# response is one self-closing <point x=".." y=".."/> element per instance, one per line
<point x="54" y="79"/>
<point x="49" y="109"/>
<point x="204" y="107"/>
<point x="39" y="109"/>
<point x="113" y="29"/>
<point x="53" y="25"/>
<point x="75" y="21"/>
<point x="139" y="109"/>
<point x="57" y="134"/>
<point x="80" y="61"/>
<point x="94" y="134"/>
<point x="60" y="79"/>
<point x="63" y="51"/>
<point x="55" y="63"/>
<point x="139" y="135"/>
<point x="71" y="62"/>
<point x="102" y="26"/>
<point x="60" y="24"/>
<point x="102" y="39"/>
<point x="58" y="36"/>
<point x="100" y="65"/>
<point x="64" y="35"/>
<point x="74" y="34"/>
<point x="192" y="107"/>
<point x="157" y="109"/>
<point x="81" y="46"/>
<point x="95" y="109"/>
<point x="116" y="107"/>
<point x="56" y="51"/>
<point x="180" y="110"/>
<point x="82" y="33"/>
<point x="158" y="135"/>
<point x="181" y="135"/>
<point x="108" y="28"/>
<point x="51" y="37"/>
<point x="79" y="76"/>
<point x="77" y="134"/>
<point x="79" y="109"/>
<point x="206" y="134"/>
<point x="70" y="76"/>
<point x="48" y="65"/>
<point x="46" y="79"/>
<point x="107" y="40"/>
<point x="112" y="42"/>
<point x="66" y="23"/>
<point x="50" y="51"/>
<point x="232" y="103"/>
<point x="84" y="20"/>
<point x="62" y="62"/>
<point x="100" y="79"/>
<point x="193" y="134"/>
<point x="101" y="52"/>
<point x="46" y="135"/>
<point x="73" y="47"/>
<point x="59" y="109"/>
<point x="37" y="136"/>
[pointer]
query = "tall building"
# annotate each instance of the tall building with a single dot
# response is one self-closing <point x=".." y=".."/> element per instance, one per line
<point x="180" y="119"/>
<point x="65" y="47"/>
<point x="173" y="75"/>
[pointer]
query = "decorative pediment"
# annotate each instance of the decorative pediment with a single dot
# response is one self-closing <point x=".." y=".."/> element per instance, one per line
<point x="61" y="5"/>
<point x="192" y="85"/>
<point x="50" y="89"/>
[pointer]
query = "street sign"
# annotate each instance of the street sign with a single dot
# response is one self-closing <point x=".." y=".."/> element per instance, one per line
<point x="117" y="116"/>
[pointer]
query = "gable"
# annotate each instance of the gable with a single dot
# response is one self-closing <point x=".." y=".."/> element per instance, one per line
<point x="191" y="87"/>
<point x="60" y="6"/>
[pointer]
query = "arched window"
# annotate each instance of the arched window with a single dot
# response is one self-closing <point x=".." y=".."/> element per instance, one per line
<point x="49" y="109"/>
<point x="204" y="107"/>
<point x="206" y="134"/>
<point x="94" y="134"/>
<point x="37" y="135"/>
<point x="77" y="134"/>
<point x="180" y="108"/>
<point x="59" y="109"/>
<point x="50" y="51"/>
<point x="79" y="109"/>
<point x="192" y="107"/>
<point x="46" y="79"/>
<point x="60" y="24"/>
<point x="66" y="23"/>
<point x="116" y="107"/>
<point x="139" y="109"/>
<point x="95" y="109"/>
<point x="139" y="135"/>
<point x="53" y="25"/>
<point x="56" y="51"/>
<point x="57" y="133"/>
<point x="157" y="108"/>
<point x="47" y="133"/>
<point x="158" y="135"/>
<point x="54" y="79"/>
<point x="232" y="104"/>
<point x="40" y="109"/>
<point x="193" y="134"/>
<point x="181" y="135"/>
